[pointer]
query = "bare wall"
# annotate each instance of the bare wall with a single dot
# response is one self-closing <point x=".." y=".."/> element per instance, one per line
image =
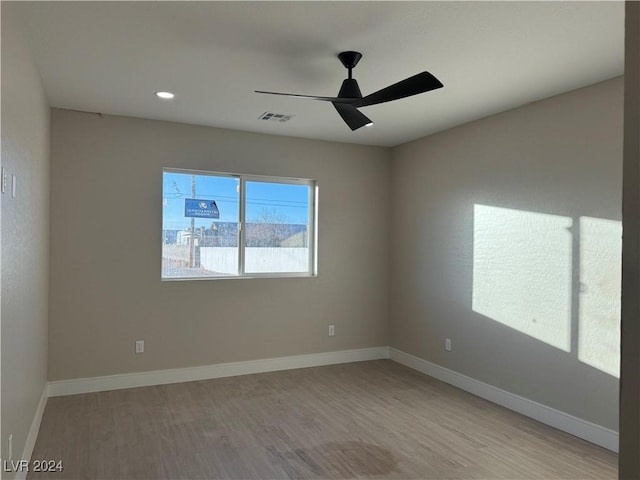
<point x="106" y="249"/>
<point x="511" y="199"/>
<point x="25" y="236"/>
<point x="629" y="466"/>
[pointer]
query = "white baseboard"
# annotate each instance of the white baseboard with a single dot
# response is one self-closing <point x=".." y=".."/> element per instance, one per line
<point x="562" y="421"/>
<point x="32" y="436"/>
<point x="162" y="377"/>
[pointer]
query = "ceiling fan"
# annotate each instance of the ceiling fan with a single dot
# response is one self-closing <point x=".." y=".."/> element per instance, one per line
<point x="349" y="98"/>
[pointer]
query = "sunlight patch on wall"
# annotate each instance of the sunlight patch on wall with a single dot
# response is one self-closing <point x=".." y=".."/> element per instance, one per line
<point x="522" y="272"/>
<point x="600" y="292"/>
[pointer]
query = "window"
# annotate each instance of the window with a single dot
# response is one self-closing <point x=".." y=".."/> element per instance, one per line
<point x="218" y="225"/>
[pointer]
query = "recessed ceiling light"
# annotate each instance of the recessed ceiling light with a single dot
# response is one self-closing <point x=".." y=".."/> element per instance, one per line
<point x="370" y="124"/>
<point x="165" y="95"/>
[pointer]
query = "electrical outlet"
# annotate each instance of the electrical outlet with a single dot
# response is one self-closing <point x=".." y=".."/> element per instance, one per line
<point x="3" y="174"/>
<point x="14" y="185"/>
<point x="332" y="330"/>
<point x="10" y="452"/>
<point x="447" y="344"/>
<point x="139" y="346"/>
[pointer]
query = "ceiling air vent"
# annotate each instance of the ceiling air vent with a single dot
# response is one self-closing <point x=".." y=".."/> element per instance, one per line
<point x="275" y="117"/>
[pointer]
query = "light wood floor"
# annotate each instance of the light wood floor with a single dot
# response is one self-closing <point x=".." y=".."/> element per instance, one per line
<point x="361" y="420"/>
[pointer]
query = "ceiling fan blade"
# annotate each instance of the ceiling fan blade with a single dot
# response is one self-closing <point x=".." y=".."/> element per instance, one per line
<point x="312" y="97"/>
<point x="352" y="116"/>
<point x="420" y="83"/>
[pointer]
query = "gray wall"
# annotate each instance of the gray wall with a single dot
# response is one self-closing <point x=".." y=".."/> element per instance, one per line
<point x="25" y="237"/>
<point x="630" y="374"/>
<point x="106" y="249"/>
<point x="561" y="157"/>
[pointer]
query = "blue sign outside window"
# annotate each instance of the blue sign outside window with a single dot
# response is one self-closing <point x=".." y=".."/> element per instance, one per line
<point x="194" y="207"/>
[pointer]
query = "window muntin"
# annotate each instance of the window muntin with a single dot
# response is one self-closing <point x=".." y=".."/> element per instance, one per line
<point x="223" y="225"/>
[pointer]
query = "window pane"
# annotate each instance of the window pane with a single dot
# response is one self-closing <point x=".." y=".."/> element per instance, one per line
<point x="200" y="215"/>
<point x="277" y="234"/>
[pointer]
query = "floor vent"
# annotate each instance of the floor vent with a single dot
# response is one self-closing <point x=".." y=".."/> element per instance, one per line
<point x="275" y="117"/>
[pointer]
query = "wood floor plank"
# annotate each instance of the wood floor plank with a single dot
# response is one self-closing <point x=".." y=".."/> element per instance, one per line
<point x="373" y="419"/>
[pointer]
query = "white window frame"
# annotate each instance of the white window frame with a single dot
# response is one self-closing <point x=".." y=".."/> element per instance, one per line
<point x="312" y="222"/>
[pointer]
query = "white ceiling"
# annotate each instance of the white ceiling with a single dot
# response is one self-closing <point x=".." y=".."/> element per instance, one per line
<point x="110" y="57"/>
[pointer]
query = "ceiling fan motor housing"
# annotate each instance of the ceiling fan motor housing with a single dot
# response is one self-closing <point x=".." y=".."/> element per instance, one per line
<point x="350" y="89"/>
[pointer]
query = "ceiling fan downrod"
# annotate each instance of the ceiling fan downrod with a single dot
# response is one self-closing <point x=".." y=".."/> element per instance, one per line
<point x="350" y="88"/>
